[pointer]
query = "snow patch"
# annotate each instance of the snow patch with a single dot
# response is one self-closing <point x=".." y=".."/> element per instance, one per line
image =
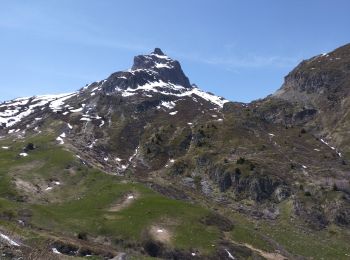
<point x="55" y="251"/>
<point x="77" y="110"/>
<point x="172" y="90"/>
<point x="332" y="147"/>
<point x="20" y="108"/>
<point x="60" y="140"/>
<point x="9" y="240"/>
<point x="169" y="105"/>
<point x="229" y="254"/>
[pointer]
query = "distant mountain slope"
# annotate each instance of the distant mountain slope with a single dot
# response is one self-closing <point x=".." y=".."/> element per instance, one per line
<point x="320" y="87"/>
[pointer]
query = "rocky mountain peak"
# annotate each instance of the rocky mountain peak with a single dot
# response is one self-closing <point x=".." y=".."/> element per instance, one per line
<point x="155" y="70"/>
<point x="158" y="51"/>
<point x="163" y="67"/>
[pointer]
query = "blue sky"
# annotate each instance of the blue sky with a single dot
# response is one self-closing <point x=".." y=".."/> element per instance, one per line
<point x="237" y="49"/>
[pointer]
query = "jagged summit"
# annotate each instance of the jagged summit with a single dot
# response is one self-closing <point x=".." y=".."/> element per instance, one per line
<point x="154" y="74"/>
<point x="160" y="66"/>
<point x="158" y="51"/>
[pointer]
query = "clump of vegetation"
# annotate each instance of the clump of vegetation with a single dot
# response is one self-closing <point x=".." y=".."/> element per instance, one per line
<point x="241" y="160"/>
<point x="307" y="193"/>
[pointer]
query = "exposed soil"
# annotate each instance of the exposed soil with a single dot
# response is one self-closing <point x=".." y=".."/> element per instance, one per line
<point x="267" y="255"/>
<point x="125" y="202"/>
<point x="160" y="234"/>
<point x="26" y="186"/>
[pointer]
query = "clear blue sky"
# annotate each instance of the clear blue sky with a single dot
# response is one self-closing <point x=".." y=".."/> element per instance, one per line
<point x="237" y="49"/>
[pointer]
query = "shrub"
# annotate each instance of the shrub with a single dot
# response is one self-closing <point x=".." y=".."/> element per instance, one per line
<point x="307" y="193"/>
<point x="241" y="160"/>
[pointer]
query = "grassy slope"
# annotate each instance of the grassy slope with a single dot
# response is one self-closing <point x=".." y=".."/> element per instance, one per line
<point x="81" y="202"/>
<point x="331" y="243"/>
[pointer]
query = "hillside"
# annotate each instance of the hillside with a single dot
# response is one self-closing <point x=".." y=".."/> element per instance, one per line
<point x="145" y="164"/>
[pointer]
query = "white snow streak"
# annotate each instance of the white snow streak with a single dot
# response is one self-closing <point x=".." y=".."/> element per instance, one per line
<point x="9" y="240"/>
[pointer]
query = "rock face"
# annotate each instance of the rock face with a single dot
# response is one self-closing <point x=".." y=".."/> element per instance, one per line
<point x="319" y="90"/>
<point x="322" y="81"/>
<point x="153" y="70"/>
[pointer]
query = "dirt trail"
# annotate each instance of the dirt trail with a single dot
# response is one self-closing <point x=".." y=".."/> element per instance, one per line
<point x="126" y="201"/>
<point x="267" y="255"/>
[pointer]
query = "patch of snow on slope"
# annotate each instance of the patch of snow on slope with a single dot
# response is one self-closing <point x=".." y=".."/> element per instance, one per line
<point x="59" y="101"/>
<point x="9" y="240"/>
<point x="18" y="109"/>
<point x="77" y="110"/>
<point x="60" y="140"/>
<point x="134" y="155"/>
<point x="173" y="90"/>
<point x="55" y="251"/>
<point x="332" y="147"/>
<point x="169" y="105"/>
<point x="229" y="254"/>
<point x="164" y="57"/>
<point x="162" y="65"/>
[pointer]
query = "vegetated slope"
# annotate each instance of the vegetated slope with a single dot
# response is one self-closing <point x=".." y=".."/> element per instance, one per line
<point x="144" y="163"/>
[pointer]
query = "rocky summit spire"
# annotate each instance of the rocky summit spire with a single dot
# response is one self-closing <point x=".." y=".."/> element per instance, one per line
<point x="160" y="66"/>
<point x="158" y="51"/>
